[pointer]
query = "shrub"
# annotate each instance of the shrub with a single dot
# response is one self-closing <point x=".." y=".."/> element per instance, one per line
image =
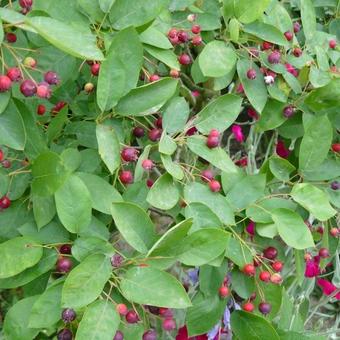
<point x="170" y="169"/>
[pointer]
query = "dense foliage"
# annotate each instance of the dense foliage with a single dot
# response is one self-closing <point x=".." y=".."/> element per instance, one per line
<point x="169" y="169"/>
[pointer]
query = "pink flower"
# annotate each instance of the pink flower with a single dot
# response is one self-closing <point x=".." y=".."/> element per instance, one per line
<point x="281" y="149"/>
<point x="250" y="228"/>
<point x="328" y="288"/>
<point x="238" y="134"/>
<point x="312" y="267"/>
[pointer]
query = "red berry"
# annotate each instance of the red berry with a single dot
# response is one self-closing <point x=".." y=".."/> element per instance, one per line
<point x="336" y="147"/>
<point x="274" y="57"/>
<point x="65" y="249"/>
<point x="95" y="69"/>
<point x="43" y="90"/>
<point x="5" y="83"/>
<point x="172" y="33"/>
<point x="174" y="73"/>
<point x="223" y="291"/>
<point x="26" y="3"/>
<point x="277" y="266"/>
<point x="264" y="276"/>
<point x="196" y="29"/>
<point x="1" y="155"/>
<point x="265" y="308"/>
<point x="184" y="59"/>
<point x="332" y="44"/>
<point x="169" y="324"/>
<point x="149" y="182"/>
<point x="138" y="132"/>
<point x="147" y="164"/>
<point x="289" y="35"/>
<point x="165" y="312"/>
<point x="159" y="123"/>
<point x="297" y="27"/>
<point x="11" y="37"/>
<point x="249" y="269"/>
<point x="214" y="133"/>
<point x="266" y="45"/>
<point x="214" y="185"/>
<point x="183" y="36"/>
<point x="151" y="334"/>
<point x="58" y="107"/>
<point x="270" y="253"/>
<point x="155" y="134"/>
<point x="212" y="142"/>
<point x="129" y="154"/>
<point x="131" y="317"/>
<point x="196" y="40"/>
<point x="207" y="175"/>
<point x="14" y="74"/>
<point x="121" y="309"/>
<point x="5" y="202"/>
<point x="248" y="307"/>
<point x="154" y="77"/>
<point x="64" y="265"/>
<point x="251" y="74"/>
<point x="323" y="253"/>
<point x="334" y="232"/>
<point x="51" y="78"/>
<point x="28" y="88"/>
<point x="297" y="52"/>
<point x="126" y="177"/>
<point x="276" y="278"/>
<point x="6" y="164"/>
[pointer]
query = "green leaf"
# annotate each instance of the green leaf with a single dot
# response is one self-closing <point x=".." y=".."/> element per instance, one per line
<point x="167" y="57"/>
<point x="71" y="158"/>
<point x="204" y="314"/>
<point x="4" y="98"/>
<point x="86" y="281"/>
<point x="24" y="250"/>
<point x="108" y="145"/>
<point x="217" y="59"/>
<point x="138" y="13"/>
<point x="100" y="321"/>
<point x="111" y="82"/>
<point x="272" y="115"/>
<point x="49" y="174"/>
<point x="101" y="192"/>
<point x="46" y="263"/>
<point x="314" y="200"/>
<point x="175" y="115"/>
<point x="211" y="278"/>
<point x="12" y="129"/>
<point x="293" y="82"/>
<point x="247" y="12"/>
<point x="43" y="209"/>
<point x="217" y="156"/>
<point x="315" y="143"/>
<point x="255" y="89"/>
<point x="201" y="247"/>
<point x="73" y="203"/>
<point x="57" y="124"/>
<point x="197" y="192"/>
<point x="147" y="99"/>
<point x="167" y="145"/>
<point x="252" y="187"/>
<point x="151" y="286"/>
<point x="238" y="253"/>
<point x="16" y="321"/>
<point x="164" y="193"/>
<point x="308" y="19"/>
<point x="79" y="43"/>
<point x="46" y="310"/>
<point x="243" y="285"/>
<point x="139" y="171"/>
<point x="292" y="229"/>
<point x="266" y="32"/>
<point x="249" y="326"/>
<point x="174" y="169"/>
<point x="219" y="114"/>
<point x="105" y="5"/>
<point x="135" y="225"/>
<point x="85" y="246"/>
<point x="152" y="36"/>
<point x="281" y="168"/>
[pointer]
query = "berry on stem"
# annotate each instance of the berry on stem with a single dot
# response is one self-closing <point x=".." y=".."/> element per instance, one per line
<point x="154" y="77"/>
<point x="288" y="111"/>
<point x="196" y="29"/>
<point x="270" y="253"/>
<point x="196" y="40"/>
<point x="214" y="185"/>
<point x="5" y="202"/>
<point x="11" y="37"/>
<point x="249" y="269"/>
<point x="296" y="27"/>
<point x="155" y="134"/>
<point x="119" y="336"/>
<point x="265" y="308"/>
<point x="51" y="78"/>
<point x="324" y="253"/>
<point x="131" y="317"/>
<point x="169" y="324"/>
<point x="147" y="164"/>
<point x="251" y="74"/>
<point x="95" y="69"/>
<point x="65" y="249"/>
<point x="184" y="59"/>
<point x="65" y="334"/>
<point x="248" y="307"/>
<point x="64" y="265"/>
<point x="30" y="62"/>
<point x="207" y="175"/>
<point x="289" y="35"/>
<point x="122" y="309"/>
<point x="126" y="177"/>
<point x="41" y="110"/>
<point x="277" y="266"/>
<point x="332" y="44"/>
<point x="129" y="154"/>
<point x="5" y="83"/>
<point x="336" y="147"/>
<point x="138" y="132"/>
<point x="274" y="57"/>
<point x="265" y="276"/>
<point x="28" y="88"/>
<point x="68" y="315"/>
<point x="223" y="291"/>
<point x="151" y="334"/>
<point x="14" y="74"/>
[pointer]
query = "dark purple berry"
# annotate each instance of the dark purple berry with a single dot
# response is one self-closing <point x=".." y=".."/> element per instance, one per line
<point x="274" y="57"/>
<point x="265" y="308"/>
<point x="335" y="185"/>
<point x="64" y="265"/>
<point x="28" y="88"/>
<point x="288" y="111"/>
<point x="131" y="317"/>
<point x="150" y="335"/>
<point x="119" y="336"/>
<point x="117" y="260"/>
<point x="138" y="132"/>
<point x="64" y="334"/>
<point x="270" y="253"/>
<point x="251" y="74"/>
<point x="68" y="315"/>
<point x="51" y="78"/>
